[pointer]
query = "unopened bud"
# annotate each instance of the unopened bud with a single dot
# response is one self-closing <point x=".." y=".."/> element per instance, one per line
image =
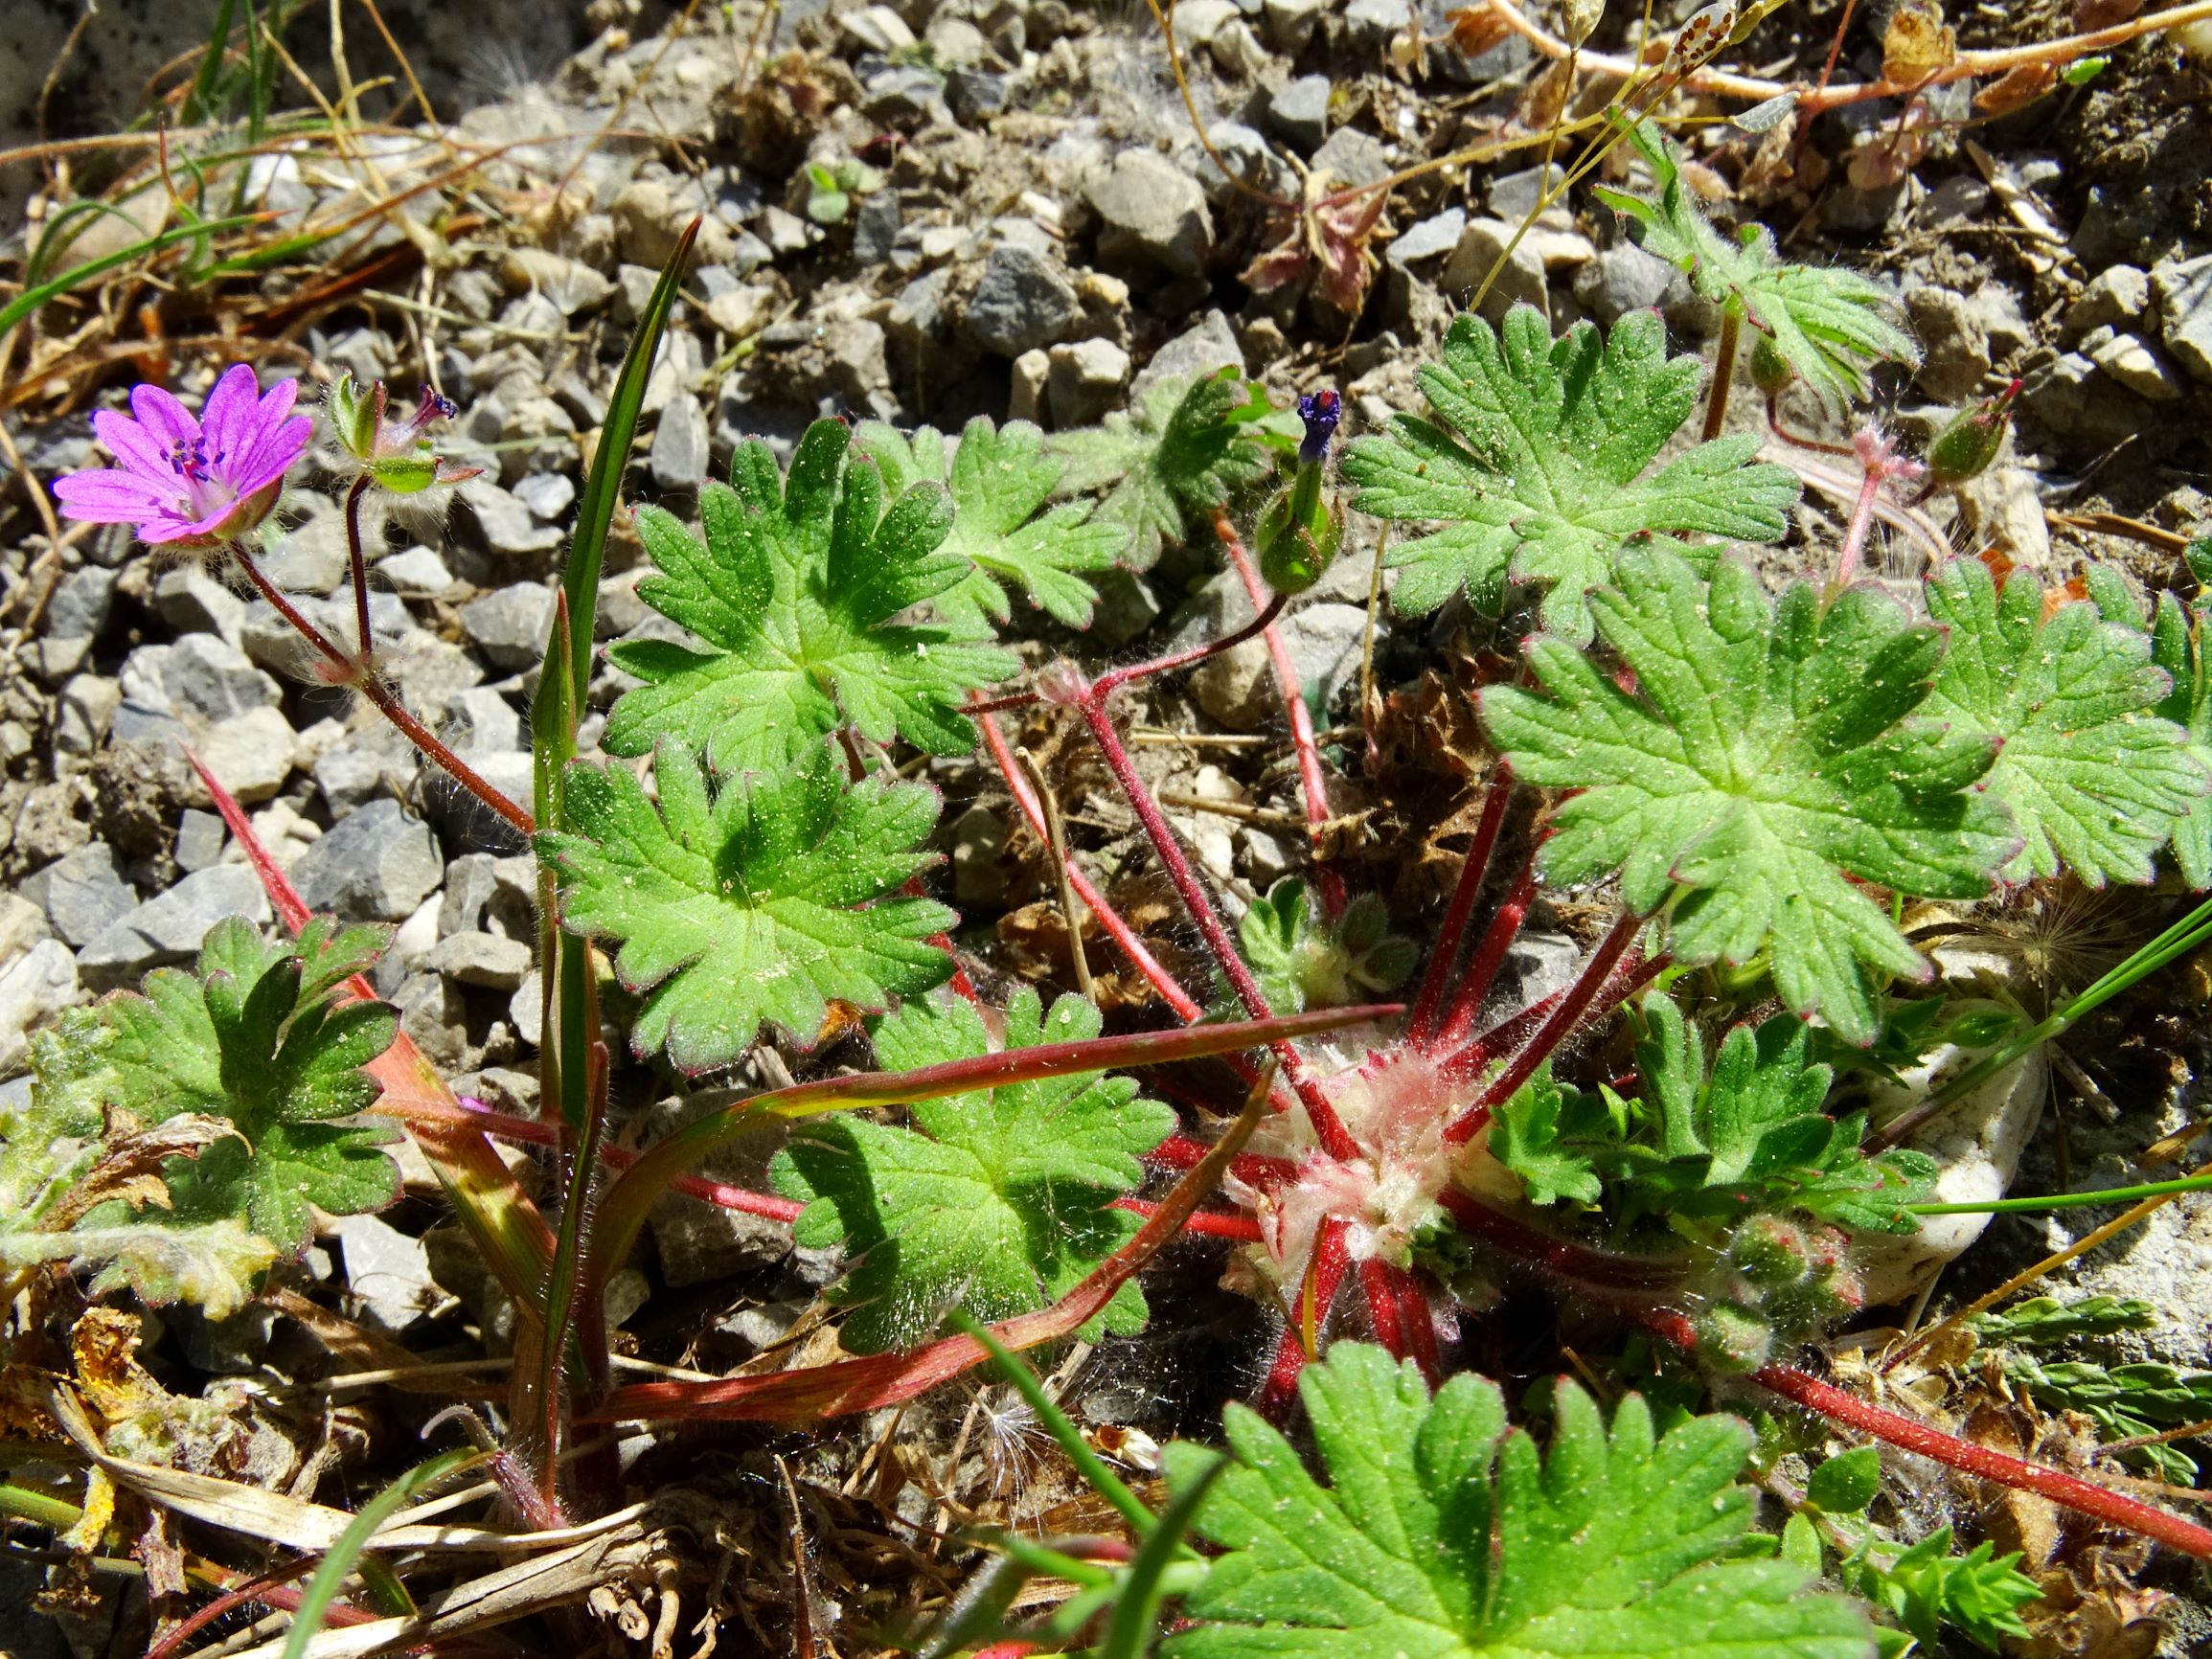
<point x="1299" y="532"/>
<point x="1769" y="1252"/>
<point x="1771" y="369"/>
<point x="1971" y="438"/>
<point x="1734" y="1338"/>
<point x="356" y="413"/>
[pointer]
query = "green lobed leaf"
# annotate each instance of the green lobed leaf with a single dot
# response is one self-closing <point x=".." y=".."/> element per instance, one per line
<point x="999" y="478"/>
<point x="1538" y="469"/>
<point x="1769" y="754"/>
<point x="1824" y="320"/>
<point x="1304" y="961"/>
<point x="256" y="1036"/>
<point x="996" y="1202"/>
<point x="756" y="899"/>
<point x="794" y="595"/>
<point x="1444" y="1535"/>
<point x="2178" y="646"/>
<point x="2091" y="774"/>
<point x="1187" y="447"/>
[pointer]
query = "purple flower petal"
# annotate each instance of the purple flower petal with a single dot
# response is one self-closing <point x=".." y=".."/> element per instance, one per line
<point x="109" y="495"/>
<point x="228" y="416"/>
<point x="271" y="456"/>
<point x="169" y="421"/>
<point x="133" y="444"/>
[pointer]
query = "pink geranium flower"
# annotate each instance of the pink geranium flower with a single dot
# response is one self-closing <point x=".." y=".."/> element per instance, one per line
<point x="193" y="483"/>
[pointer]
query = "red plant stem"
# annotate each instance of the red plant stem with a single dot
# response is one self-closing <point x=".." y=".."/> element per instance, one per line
<point x="1253" y="1169"/>
<point x="1836" y="1406"/>
<point x="1329" y="1129"/>
<point x="1113" y="679"/>
<point x="1847" y="559"/>
<point x="1118" y="929"/>
<point x="1590" y="1271"/>
<point x="1554" y="1031"/>
<point x="1489" y="958"/>
<point x="1798" y="439"/>
<point x="359" y="561"/>
<point x="1326" y="1273"/>
<point x="1420" y="1323"/>
<point x="1471" y="873"/>
<point x="251" y="1590"/>
<point x="1316" y="785"/>
<point x="1397" y="1305"/>
<point x="1211" y="1223"/>
<point x="358" y="674"/>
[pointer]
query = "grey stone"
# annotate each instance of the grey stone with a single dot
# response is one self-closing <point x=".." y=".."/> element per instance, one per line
<point x="1624" y="279"/>
<point x="1371" y="25"/>
<point x="249" y="754"/>
<point x="39" y="983"/>
<point x="470" y="884"/>
<point x="1351" y="157"/>
<point x="700" y="1242"/>
<point x="22" y="925"/>
<point x="905" y="96"/>
<point x="2073" y="401"/>
<point x="1237" y="686"/>
<point x="1021" y="303"/>
<point x="1513" y="196"/>
<point x="1866" y="211"/>
<point x="570" y="284"/>
<point x="387" y="1273"/>
<point x="1521" y="280"/>
<point x="976" y="95"/>
<point x="169" y="928"/>
<point x="1430" y="238"/>
<point x="506" y="524"/>
<point x="433" y="1014"/>
<point x="1198" y="20"/>
<point x="1248" y="155"/>
<point x="1207" y="346"/>
<point x="482" y="718"/>
<point x="369" y="763"/>
<point x="1267" y="857"/>
<point x="1955" y="347"/>
<point x="547" y="494"/>
<point x="376" y="864"/>
<point x="526" y="1010"/>
<point x="2182" y="292"/>
<point x="78" y="607"/>
<point x="1085" y="380"/>
<point x="415" y="572"/>
<point x="1153" y="212"/>
<point x="680" y="445"/>
<point x="979" y="837"/>
<point x="508" y="627"/>
<point x="193" y="601"/>
<point x="311" y="556"/>
<point x="877" y="29"/>
<point x="199" y="675"/>
<point x="876" y="227"/>
<point x="81" y="892"/>
<point x="200" y="837"/>
<point x="857" y="362"/>
<point x="1290" y="23"/>
<point x="2130" y="360"/>
<point x="1298" y="112"/>
<point x="2116" y="296"/>
<point x="1026" y="389"/>
<point x="85" y="712"/>
<point x="619" y="609"/>
<point x="484" y="959"/>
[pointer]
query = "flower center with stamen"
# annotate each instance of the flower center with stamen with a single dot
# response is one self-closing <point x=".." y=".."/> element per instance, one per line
<point x="205" y="493"/>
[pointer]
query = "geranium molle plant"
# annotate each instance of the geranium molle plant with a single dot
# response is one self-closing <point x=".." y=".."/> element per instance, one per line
<point x="187" y="482"/>
<point x="394" y="455"/>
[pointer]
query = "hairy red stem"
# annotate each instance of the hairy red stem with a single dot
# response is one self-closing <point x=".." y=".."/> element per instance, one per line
<point x="1489" y="958"/>
<point x="1316" y="785"/>
<point x="1325" y="1274"/>
<point x="1471" y="873"/>
<point x="1209" y="1223"/>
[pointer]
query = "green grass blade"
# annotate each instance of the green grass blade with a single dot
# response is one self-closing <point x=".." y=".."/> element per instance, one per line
<point x="33" y="298"/>
<point x="1136" y="1615"/>
<point x="323" y="1588"/>
<point x="2068" y="1200"/>
<point x="199" y="102"/>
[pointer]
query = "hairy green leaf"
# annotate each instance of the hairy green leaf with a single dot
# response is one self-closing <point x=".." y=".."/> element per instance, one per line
<point x="2091" y="774"/>
<point x="1927" y="1587"/>
<point x="1824" y="320"/>
<point x="2042" y="1321"/>
<point x="1444" y="1535"/>
<point x="996" y="1202"/>
<point x="2177" y="645"/>
<point x="257" y="1037"/>
<point x="1769" y="754"/>
<point x="213" y="1264"/>
<point x="999" y="477"/>
<point x="1188" y="447"/>
<point x="755" y="900"/>
<point x="1545" y="477"/>
<point x="794" y="595"/>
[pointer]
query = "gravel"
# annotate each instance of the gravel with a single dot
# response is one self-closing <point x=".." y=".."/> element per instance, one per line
<point x="376" y="864"/>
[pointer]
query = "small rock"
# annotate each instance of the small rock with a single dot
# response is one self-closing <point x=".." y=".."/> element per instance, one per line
<point x="372" y="761"/>
<point x="387" y="1272"/>
<point x="200" y="837"/>
<point x="1025" y="394"/>
<point x="1432" y="238"/>
<point x="169" y="928"/>
<point x="877" y="29"/>
<point x="484" y="959"/>
<point x="1866" y="211"/>
<point x="415" y="573"/>
<point x="1127" y="608"/>
<point x="2130" y="360"/>
<point x="1237" y="52"/>
<point x="470" y="884"/>
<point x="376" y="864"/>
<point x="743" y="310"/>
<point x="2116" y="296"/>
<point x="2182" y="292"/>
<point x="312" y="556"/>
<point x="249" y="754"/>
<point x="86" y="709"/>
<point x="700" y="1243"/>
<point x="78" y="607"/>
<point x="508" y="627"/>
<point x="1085" y="380"/>
<point x="506" y="524"/>
<point x="857" y="363"/>
<point x="199" y="675"/>
<point x="680" y="445"/>
<point x="1290" y="23"/>
<point x="976" y="95"/>
<point x="570" y="284"/>
<point x="39" y="983"/>
<point x="876" y="227"/>
<point x="481" y="718"/>
<point x="2072" y="400"/>
<point x="22" y="925"/>
<point x="1371" y="25"/>
<point x="1207" y="347"/>
<point x="81" y="892"/>
<point x="1021" y="303"/>
<point x="547" y="494"/>
<point x="1955" y="351"/>
<point x="1266" y="856"/>
<point x="1197" y="20"/>
<point x="1153" y="213"/>
<point x="1481" y="246"/>
<point x="526" y="1010"/>
<point x="435" y="1017"/>
<point x="979" y="837"/>
<point x="1352" y="158"/>
<point x="905" y="98"/>
<point x="193" y="601"/>
<point x="1299" y="112"/>
<point x="2002" y="509"/>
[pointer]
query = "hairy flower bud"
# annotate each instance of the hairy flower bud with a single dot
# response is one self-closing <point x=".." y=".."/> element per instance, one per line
<point x="1971" y="438"/>
<point x="397" y="455"/>
<point x="1771" y="369"/>
<point x="1300" y="531"/>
